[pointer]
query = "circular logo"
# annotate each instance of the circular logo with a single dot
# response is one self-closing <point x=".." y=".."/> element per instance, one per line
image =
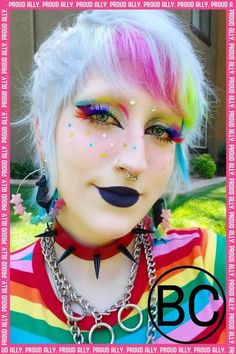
<point x="199" y="303"/>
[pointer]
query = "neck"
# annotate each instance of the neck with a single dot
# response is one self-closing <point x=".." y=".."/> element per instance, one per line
<point x="91" y="234"/>
<point x="67" y="242"/>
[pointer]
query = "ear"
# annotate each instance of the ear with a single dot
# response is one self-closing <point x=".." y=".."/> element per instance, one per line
<point x="38" y="139"/>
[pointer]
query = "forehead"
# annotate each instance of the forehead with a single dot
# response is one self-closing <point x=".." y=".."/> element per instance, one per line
<point x="100" y="89"/>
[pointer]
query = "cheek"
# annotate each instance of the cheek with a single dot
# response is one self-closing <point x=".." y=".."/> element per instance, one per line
<point x="161" y="160"/>
<point x="91" y="145"/>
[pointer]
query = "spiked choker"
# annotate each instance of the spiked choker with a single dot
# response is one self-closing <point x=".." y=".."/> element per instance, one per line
<point x="95" y="254"/>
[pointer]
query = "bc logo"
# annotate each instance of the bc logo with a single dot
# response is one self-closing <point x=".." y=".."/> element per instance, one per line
<point x="195" y="310"/>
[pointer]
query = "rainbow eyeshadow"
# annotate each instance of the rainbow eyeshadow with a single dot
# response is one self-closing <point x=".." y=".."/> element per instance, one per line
<point x="174" y="133"/>
<point x="98" y="105"/>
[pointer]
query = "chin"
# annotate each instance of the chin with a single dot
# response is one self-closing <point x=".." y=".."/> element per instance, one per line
<point x="113" y="227"/>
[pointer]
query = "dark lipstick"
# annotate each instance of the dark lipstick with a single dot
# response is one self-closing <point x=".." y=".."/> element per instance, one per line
<point x="122" y="197"/>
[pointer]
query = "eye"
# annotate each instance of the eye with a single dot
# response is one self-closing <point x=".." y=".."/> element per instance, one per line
<point x="100" y="115"/>
<point x="104" y="119"/>
<point x="159" y="132"/>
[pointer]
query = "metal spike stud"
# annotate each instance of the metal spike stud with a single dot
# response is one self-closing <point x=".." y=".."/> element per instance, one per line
<point x="66" y="254"/>
<point x="97" y="261"/>
<point x="126" y="252"/>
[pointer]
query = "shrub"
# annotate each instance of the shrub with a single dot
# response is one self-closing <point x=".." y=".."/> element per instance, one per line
<point x="221" y="162"/>
<point x="20" y="170"/>
<point x="203" y="166"/>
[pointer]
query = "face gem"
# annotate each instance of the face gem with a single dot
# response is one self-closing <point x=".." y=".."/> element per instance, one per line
<point x="104" y="135"/>
<point x="112" y="145"/>
<point x="132" y="102"/>
<point x="134" y="147"/>
<point x="69" y="125"/>
<point x="90" y="145"/>
<point x="88" y="133"/>
<point x="103" y="155"/>
<point x="125" y="145"/>
<point x="153" y="109"/>
<point x="71" y="135"/>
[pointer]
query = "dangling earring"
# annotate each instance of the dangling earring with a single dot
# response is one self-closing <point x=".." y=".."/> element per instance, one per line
<point x="161" y="219"/>
<point x="52" y="208"/>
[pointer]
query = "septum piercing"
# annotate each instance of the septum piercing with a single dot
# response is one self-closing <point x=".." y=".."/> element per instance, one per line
<point x="128" y="175"/>
<point x="131" y="177"/>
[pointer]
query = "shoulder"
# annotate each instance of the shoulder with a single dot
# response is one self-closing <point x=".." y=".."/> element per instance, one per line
<point x="195" y="247"/>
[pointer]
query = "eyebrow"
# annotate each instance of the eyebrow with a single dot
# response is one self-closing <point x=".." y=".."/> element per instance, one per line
<point x="103" y="99"/>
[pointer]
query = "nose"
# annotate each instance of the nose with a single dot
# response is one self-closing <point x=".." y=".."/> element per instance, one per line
<point x="132" y="159"/>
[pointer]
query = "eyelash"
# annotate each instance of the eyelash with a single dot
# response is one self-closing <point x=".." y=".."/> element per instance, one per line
<point x="168" y="139"/>
<point x="92" y="111"/>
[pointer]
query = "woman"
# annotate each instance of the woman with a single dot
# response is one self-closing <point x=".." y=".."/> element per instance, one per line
<point x="115" y="103"/>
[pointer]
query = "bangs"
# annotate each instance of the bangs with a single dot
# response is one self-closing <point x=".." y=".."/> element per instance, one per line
<point x="152" y="67"/>
<point x="127" y="58"/>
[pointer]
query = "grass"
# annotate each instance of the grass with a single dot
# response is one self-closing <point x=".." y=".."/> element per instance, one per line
<point x="204" y="208"/>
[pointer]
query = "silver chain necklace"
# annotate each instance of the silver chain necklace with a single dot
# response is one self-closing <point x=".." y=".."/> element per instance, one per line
<point x="68" y="295"/>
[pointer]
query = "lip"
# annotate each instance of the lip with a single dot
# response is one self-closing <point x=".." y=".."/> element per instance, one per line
<point x="122" y="197"/>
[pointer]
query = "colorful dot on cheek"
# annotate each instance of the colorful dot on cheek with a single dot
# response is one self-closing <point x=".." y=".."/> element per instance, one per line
<point x="69" y="125"/>
<point x="125" y="145"/>
<point x="88" y="133"/>
<point x="104" y="135"/>
<point x="90" y="145"/>
<point x="103" y="155"/>
<point x="111" y="145"/>
<point x="71" y="135"/>
<point x="134" y="147"/>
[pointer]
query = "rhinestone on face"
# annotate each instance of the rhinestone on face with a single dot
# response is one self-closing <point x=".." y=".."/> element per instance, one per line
<point x="132" y="102"/>
<point x="153" y="109"/>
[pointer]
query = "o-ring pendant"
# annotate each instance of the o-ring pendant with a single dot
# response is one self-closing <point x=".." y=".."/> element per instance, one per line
<point x="140" y="319"/>
<point x="98" y="325"/>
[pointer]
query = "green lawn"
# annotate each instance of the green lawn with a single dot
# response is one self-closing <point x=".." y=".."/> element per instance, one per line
<point x="204" y="208"/>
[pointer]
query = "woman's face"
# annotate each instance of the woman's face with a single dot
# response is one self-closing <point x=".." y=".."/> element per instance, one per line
<point x="99" y="138"/>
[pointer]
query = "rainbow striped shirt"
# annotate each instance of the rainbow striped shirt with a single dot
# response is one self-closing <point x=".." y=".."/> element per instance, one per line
<point x="37" y="317"/>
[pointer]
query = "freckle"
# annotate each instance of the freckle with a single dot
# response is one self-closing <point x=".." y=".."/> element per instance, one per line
<point x="125" y="145"/>
<point x="103" y="155"/>
<point x="88" y="133"/>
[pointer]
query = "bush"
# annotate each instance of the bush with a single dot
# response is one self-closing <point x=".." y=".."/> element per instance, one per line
<point x="221" y="162"/>
<point x="203" y="166"/>
<point x="20" y="170"/>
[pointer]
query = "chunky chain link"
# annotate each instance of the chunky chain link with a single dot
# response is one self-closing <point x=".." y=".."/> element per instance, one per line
<point x="68" y="295"/>
<point x="151" y="268"/>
